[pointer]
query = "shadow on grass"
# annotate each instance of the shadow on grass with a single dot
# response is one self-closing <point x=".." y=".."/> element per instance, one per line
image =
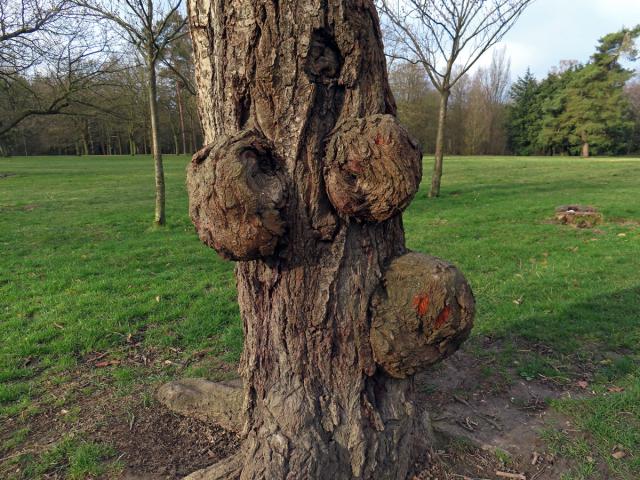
<point x="511" y="189"/>
<point x="601" y="335"/>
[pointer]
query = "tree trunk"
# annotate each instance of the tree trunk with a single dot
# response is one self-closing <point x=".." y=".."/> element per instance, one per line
<point x="279" y="82"/>
<point x="132" y="142"/>
<point x="439" y="157"/>
<point x="85" y="137"/>
<point x="584" y="151"/>
<point x="181" y="113"/>
<point x="155" y="145"/>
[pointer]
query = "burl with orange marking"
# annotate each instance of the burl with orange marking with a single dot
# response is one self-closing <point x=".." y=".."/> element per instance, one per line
<point x="443" y="317"/>
<point x="421" y="304"/>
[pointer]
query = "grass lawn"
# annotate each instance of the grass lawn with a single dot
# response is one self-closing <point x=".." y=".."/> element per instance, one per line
<point x="84" y="275"/>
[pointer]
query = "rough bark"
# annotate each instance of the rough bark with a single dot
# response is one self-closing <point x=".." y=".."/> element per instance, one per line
<point x="436" y="177"/>
<point x="228" y="469"/>
<point x="242" y="217"/>
<point x="373" y="168"/>
<point x="283" y="84"/>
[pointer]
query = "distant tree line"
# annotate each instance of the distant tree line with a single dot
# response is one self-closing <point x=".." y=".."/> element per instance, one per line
<point x="578" y="109"/>
<point x="478" y="103"/>
<point x="111" y="118"/>
<point x="64" y="88"/>
<point x="63" y="92"/>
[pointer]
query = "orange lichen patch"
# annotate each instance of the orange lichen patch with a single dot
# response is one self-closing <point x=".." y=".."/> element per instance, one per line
<point x="421" y="304"/>
<point x="443" y="317"/>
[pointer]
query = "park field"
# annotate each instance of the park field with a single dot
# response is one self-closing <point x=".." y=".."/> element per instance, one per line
<point x="98" y="307"/>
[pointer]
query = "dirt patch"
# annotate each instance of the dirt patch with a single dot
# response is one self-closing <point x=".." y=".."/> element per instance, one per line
<point x="149" y="441"/>
<point x="462" y="462"/>
<point x="580" y="216"/>
<point x="488" y="423"/>
<point x="485" y="422"/>
<point x="155" y="443"/>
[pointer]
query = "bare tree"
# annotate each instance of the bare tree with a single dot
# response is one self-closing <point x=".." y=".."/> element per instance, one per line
<point x="23" y="24"/>
<point x="446" y="37"/>
<point x="178" y="66"/>
<point x="303" y="181"/>
<point x="48" y="60"/>
<point x="149" y="26"/>
<point x="483" y="121"/>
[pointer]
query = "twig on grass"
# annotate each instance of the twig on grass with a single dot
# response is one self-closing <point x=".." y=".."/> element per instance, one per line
<point x="514" y="476"/>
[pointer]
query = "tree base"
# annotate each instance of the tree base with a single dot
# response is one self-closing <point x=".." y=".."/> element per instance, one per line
<point x="221" y="403"/>
<point x="580" y="216"/>
<point x="228" y="469"/>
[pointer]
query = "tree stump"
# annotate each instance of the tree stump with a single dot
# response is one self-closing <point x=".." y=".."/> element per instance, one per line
<point x="580" y="216"/>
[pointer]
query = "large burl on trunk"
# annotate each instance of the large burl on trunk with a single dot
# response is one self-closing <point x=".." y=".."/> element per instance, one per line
<point x="303" y="179"/>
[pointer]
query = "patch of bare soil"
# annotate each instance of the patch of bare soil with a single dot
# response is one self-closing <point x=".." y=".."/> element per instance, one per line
<point x="149" y="441"/>
<point x="463" y="462"/>
<point x="488" y="426"/>
<point x="580" y="216"/>
<point x="159" y="444"/>
<point x="485" y="423"/>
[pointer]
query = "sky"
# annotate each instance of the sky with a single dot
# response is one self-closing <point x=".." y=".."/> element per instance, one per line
<point x="554" y="30"/>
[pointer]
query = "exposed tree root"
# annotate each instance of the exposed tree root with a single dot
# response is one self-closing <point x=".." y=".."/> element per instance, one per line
<point x="220" y="403"/>
<point x="228" y="469"/>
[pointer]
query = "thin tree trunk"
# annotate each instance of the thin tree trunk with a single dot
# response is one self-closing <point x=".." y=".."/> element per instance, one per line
<point x="436" y="177"/>
<point x="155" y="145"/>
<point x="92" y="144"/>
<point x="284" y="75"/>
<point x="132" y="142"/>
<point x="585" y="146"/>
<point x="85" y="137"/>
<point x="192" y="138"/>
<point x="174" y="134"/>
<point x="145" y="148"/>
<point x="181" y="113"/>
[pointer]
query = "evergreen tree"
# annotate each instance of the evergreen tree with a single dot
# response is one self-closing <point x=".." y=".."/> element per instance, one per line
<point x="553" y="133"/>
<point x="585" y="109"/>
<point x="523" y="115"/>
<point x="598" y="114"/>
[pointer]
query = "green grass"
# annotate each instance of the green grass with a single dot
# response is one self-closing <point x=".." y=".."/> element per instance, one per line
<point x="82" y="270"/>
<point x="77" y="459"/>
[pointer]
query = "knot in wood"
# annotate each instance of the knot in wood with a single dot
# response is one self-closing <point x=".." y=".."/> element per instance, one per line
<point x="324" y="60"/>
<point x="421" y="314"/>
<point x="373" y="168"/>
<point x="237" y="190"/>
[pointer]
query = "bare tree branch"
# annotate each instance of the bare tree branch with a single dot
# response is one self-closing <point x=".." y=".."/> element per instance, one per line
<point x="447" y="37"/>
